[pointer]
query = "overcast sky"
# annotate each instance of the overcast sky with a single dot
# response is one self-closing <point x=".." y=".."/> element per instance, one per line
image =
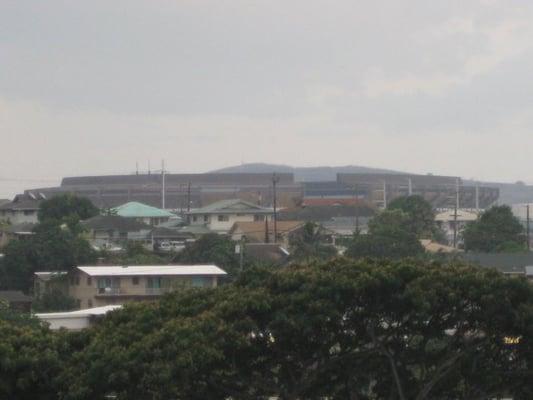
<point x="92" y="87"/>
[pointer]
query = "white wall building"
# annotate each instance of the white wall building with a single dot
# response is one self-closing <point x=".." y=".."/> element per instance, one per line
<point x="446" y="220"/>
<point x="221" y="216"/>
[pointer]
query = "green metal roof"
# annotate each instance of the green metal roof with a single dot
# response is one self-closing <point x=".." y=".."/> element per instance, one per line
<point x="134" y="209"/>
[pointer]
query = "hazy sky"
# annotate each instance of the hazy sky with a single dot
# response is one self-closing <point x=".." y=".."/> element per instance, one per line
<point x="91" y="87"/>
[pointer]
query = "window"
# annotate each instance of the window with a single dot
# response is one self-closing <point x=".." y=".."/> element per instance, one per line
<point x="78" y="303"/>
<point x="223" y="218"/>
<point x="28" y="212"/>
<point x="200" y="281"/>
<point x="77" y="281"/>
<point x="194" y="218"/>
<point x="206" y="218"/>
<point x="90" y="303"/>
<point x="258" y="218"/>
<point x="135" y="280"/>
<point x="108" y="285"/>
<point x="154" y="283"/>
<point x="89" y="281"/>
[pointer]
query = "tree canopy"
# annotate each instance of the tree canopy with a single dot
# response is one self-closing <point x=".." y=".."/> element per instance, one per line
<point x="211" y="248"/>
<point x="52" y="247"/>
<point x="389" y="236"/>
<point x="420" y="215"/>
<point x="340" y="330"/>
<point x="311" y="245"/>
<point x="496" y="230"/>
<point x="66" y="208"/>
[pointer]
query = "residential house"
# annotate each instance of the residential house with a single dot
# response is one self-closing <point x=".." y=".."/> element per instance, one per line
<point x="346" y="226"/>
<point x="266" y="253"/>
<point x="263" y="232"/>
<point x="222" y="215"/>
<point x="437" y="248"/>
<point x="143" y="213"/>
<point x="105" y="230"/>
<point x="447" y="219"/>
<point x="16" y="300"/>
<point x="22" y="209"/>
<point x="75" y="320"/>
<point x="95" y="286"/>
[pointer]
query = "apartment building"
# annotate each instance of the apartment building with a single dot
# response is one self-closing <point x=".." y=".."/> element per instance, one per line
<point x="97" y="286"/>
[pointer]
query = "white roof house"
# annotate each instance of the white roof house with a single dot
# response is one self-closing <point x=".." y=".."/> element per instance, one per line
<point x="75" y="320"/>
<point x="156" y="270"/>
<point x="462" y="216"/>
<point x="222" y="215"/>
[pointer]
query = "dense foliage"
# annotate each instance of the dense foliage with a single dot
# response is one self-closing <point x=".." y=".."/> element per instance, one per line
<point x="389" y="236"/>
<point x="211" y="248"/>
<point x="341" y="330"/>
<point x="66" y="208"/>
<point x="57" y="243"/>
<point x="496" y="230"/>
<point x="420" y="216"/>
<point x="52" y="247"/>
<point x="311" y="245"/>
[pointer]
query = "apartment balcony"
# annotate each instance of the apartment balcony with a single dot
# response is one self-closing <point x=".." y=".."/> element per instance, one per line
<point x="109" y="291"/>
<point x="127" y="292"/>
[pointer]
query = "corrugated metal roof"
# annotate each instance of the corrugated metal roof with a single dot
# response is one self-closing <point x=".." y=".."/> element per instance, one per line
<point x="134" y="209"/>
<point x="80" y="313"/>
<point x="143" y="270"/>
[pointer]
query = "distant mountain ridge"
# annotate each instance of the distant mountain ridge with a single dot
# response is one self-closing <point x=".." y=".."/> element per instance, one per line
<point x="305" y="174"/>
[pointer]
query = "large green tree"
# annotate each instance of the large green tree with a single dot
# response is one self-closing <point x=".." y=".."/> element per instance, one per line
<point x="52" y="247"/>
<point x="421" y="217"/>
<point x="211" y="248"/>
<point x="389" y="236"/>
<point x="66" y="208"/>
<point x="496" y="230"/>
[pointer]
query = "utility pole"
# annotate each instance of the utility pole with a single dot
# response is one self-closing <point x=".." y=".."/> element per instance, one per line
<point x="455" y="212"/>
<point x="241" y="254"/>
<point x="356" y="210"/>
<point x="163" y="191"/>
<point x="275" y="180"/>
<point x="527" y="226"/>
<point x="189" y="196"/>
<point x="409" y="186"/>
<point x="477" y="198"/>
<point x="384" y="195"/>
